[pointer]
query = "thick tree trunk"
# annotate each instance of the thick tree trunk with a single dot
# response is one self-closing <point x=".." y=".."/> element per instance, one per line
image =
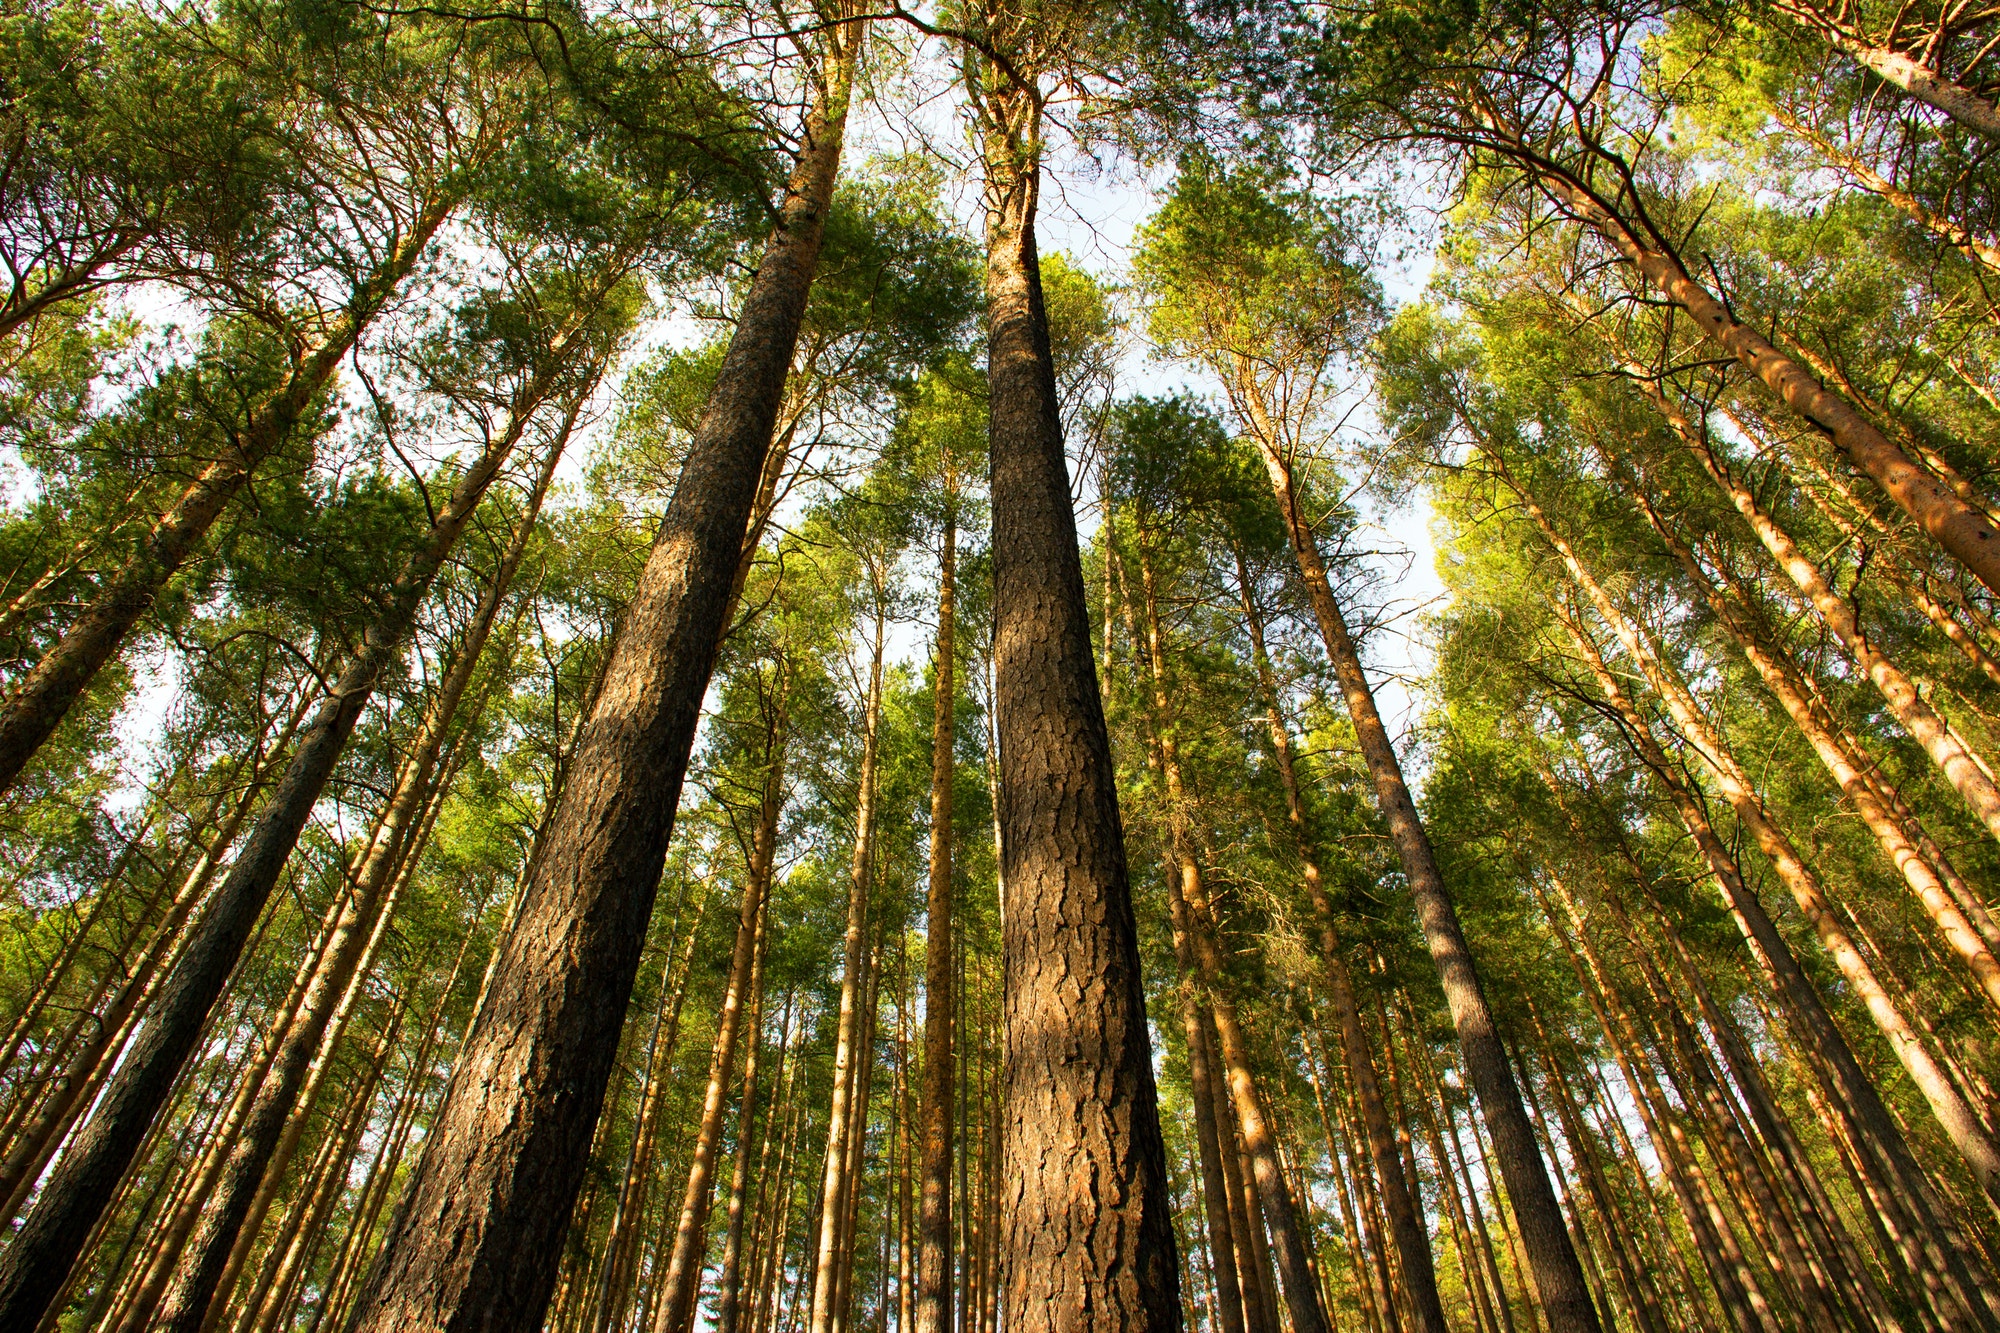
<point x="933" y="1305"/>
<point x="1080" y="1104"/>
<point x="38" y="704"/>
<point x="478" y="1242"/>
<point x="1558" y="1277"/>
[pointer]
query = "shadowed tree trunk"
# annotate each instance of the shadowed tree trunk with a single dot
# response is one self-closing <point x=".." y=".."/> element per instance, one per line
<point x="477" y="1242"/>
<point x="933" y="1305"/>
<point x="1079" y="1100"/>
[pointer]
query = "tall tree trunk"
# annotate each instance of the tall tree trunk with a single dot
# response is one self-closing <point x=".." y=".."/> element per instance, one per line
<point x="1195" y="928"/>
<point x="1558" y="1277"/>
<point x="492" y="1193"/>
<point x="1964" y="1129"/>
<point x="933" y="1307"/>
<point x="38" y="704"/>
<point x="682" y="1280"/>
<point x="1413" y="1245"/>
<point x="849" y="1052"/>
<point x="1080" y="1103"/>
<point x="1925" y="1241"/>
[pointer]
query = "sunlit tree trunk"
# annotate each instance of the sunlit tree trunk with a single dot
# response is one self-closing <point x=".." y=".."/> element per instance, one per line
<point x="1558" y="1277"/>
<point x="1079" y="1096"/>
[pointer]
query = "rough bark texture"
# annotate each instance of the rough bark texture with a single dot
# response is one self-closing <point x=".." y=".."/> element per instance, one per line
<point x="1558" y="1277"/>
<point x="1086" y="1218"/>
<point x="478" y="1243"/>
<point x="933" y="1303"/>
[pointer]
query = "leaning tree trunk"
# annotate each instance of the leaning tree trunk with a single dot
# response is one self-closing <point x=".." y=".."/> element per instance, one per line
<point x="1413" y="1244"/>
<point x="37" y="706"/>
<point x="478" y="1243"/>
<point x="934" y="1117"/>
<point x="55" y="1231"/>
<point x="1959" y="526"/>
<point x="1922" y="1238"/>
<point x="850" y="1049"/>
<point x="1080" y="1103"/>
<point x="1558" y="1276"/>
<point x="1966" y="1131"/>
<point x="1922" y="82"/>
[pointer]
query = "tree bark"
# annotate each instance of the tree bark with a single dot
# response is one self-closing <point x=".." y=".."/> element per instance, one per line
<point x="1079" y="1100"/>
<point x="933" y="1305"/>
<point x="478" y="1242"/>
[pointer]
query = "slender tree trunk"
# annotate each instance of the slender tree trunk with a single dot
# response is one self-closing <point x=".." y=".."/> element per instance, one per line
<point x="31" y="1146"/>
<point x="52" y="1234"/>
<point x="262" y="1152"/>
<point x="849" y="1052"/>
<point x="477" y="1243"/>
<point x="933" y="1313"/>
<point x="1406" y="1225"/>
<point x="1079" y="1097"/>
<point x="1959" y="767"/>
<point x="682" y="1280"/>
<point x="1195" y="928"/>
<point x="1964" y="1129"/>
<point x="38" y="704"/>
<point x="1925" y="1242"/>
<point x="1558" y="1277"/>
